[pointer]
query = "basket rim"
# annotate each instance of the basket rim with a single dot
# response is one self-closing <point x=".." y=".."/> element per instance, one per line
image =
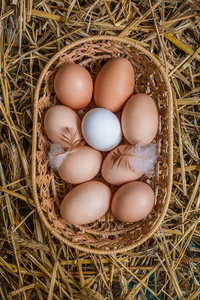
<point x="170" y="143"/>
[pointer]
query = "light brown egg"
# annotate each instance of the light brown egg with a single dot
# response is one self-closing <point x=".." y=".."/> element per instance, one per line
<point x="86" y="203"/>
<point x="140" y="119"/>
<point x="81" y="166"/>
<point x="114" y="84"/>
<point x="133" y="202"/>
<point x="62" y="123"/>
<point x="73" y="85"/>
<point x="116" y="169"/>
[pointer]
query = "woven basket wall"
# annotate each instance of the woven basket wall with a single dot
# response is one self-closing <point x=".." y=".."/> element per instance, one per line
<point x="106" y="235"/>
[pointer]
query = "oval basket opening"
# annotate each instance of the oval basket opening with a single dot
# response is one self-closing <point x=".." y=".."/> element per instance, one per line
<point x="106" y="235"/>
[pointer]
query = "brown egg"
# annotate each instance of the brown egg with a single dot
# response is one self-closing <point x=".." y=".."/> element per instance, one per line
<point x="73" y="86"/>
<point x="140" y="119"/>
<point x="86" y="203"/>
<point x="62" y="123"/>
<point x="133" y="202"/>
<point x="114" y="84"/>
<point x="80" y="166"/>
<point x="116" y="169"/>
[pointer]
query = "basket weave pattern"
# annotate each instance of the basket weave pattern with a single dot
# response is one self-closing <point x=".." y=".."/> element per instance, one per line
<point x="106" y="235"/>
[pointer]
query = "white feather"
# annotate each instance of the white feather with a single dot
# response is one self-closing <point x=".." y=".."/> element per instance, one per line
<point x="57" y="154"/>
<point x="144" y="158"/>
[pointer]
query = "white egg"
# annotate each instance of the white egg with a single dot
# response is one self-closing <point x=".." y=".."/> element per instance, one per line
<point x="101" y="129"/>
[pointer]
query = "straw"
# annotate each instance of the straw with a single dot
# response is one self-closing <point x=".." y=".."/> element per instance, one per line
<point x="33" y="263"/>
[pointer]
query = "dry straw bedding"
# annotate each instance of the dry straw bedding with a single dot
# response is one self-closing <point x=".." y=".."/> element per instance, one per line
<point x="35" y="265"/>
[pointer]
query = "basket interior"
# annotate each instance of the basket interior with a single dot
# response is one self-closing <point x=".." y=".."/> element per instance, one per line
<point x="107" y="232"/>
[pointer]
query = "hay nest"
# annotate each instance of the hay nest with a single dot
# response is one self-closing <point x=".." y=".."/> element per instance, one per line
<point x="35" y="265"/>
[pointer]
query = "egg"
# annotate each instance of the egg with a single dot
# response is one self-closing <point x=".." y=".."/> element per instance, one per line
<point x="86" y="203"/>
<point x="62" y="125"/>
<point x="73" y="86"/>
<point x="114" y="84"/>
<point x="140" y="119"/>
<point x="101" y="129"/>
<point x="81" y="165"/>
<point x="115" y="168"/>
<point x="133" y="202"/>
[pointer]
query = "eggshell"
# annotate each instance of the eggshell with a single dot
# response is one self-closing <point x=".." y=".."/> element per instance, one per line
<point x="80" y="166"/>
<point x="101" y="129"/>
<point x="57" y="119"/>
<point x="114" y="84"/>
<point x="73" y="86"/>
<point x="140" y="119"/>
<point x="86" y="203"/>
<point x="133" y="202"/>
<point x="118" y="172"/>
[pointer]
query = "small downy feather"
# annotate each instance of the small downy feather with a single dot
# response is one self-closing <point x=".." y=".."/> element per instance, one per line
<point x="143" y="159"/>
<point x="137" y="158"/>
<point x="57" y="154"/>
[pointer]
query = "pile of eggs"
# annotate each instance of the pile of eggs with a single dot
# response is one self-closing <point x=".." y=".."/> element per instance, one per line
<point x="82" y="148"/>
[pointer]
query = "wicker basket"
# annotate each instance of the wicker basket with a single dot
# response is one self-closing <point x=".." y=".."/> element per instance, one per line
<point x="107" y="235"/>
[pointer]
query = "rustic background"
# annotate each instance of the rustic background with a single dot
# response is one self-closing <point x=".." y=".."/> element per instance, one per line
<point x="33" y="264"/>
